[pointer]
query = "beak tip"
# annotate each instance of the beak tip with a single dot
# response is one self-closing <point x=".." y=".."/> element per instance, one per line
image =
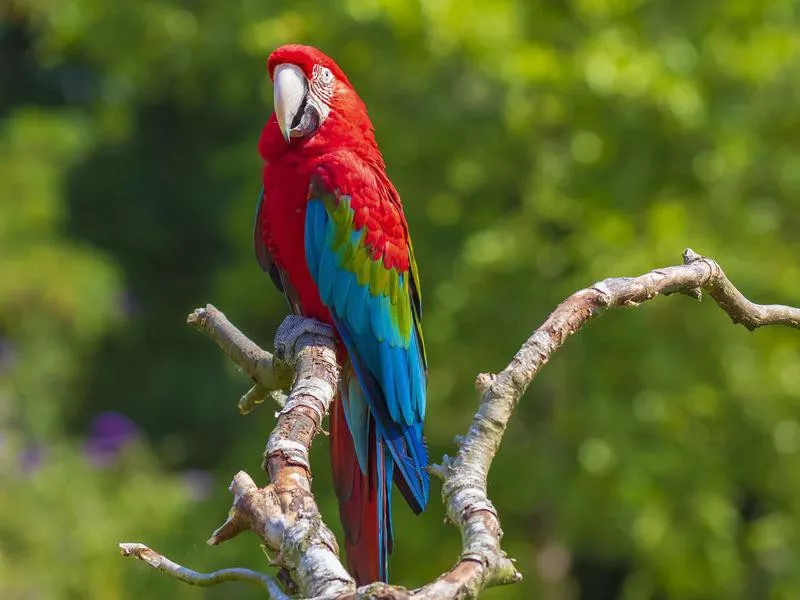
<point x="290" y="88"/>
<point x="285" y="133"/>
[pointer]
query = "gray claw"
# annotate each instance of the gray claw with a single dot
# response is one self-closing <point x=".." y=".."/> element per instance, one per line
<point x="292" y="329"/>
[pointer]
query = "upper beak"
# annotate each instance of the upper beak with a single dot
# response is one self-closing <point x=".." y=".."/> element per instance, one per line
<point x="290" y="92"/>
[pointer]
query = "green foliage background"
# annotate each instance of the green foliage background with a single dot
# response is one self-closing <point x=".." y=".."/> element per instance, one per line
<point x="538" y="146"/>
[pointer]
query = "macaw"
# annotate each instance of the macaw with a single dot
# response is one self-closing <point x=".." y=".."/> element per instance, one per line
<point x="331" y="233"/>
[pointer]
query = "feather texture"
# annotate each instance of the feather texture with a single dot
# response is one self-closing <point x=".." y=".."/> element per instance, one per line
<point x="377" y="331"/>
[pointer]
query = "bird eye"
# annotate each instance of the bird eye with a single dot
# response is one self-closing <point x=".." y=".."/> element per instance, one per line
<point x="326" y="75"/>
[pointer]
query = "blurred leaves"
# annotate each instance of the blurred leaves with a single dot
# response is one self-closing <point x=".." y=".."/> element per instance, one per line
<point x="56" y="295"/>
<point x="62" y="515"/>
<point x="538" y="146"/>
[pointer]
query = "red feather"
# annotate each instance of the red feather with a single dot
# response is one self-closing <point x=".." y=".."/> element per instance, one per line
<point x="358" y="501"/>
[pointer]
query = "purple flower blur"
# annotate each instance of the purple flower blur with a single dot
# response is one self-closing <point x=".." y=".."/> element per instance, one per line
<point x="7" y="354"/>
<point x="31" y="457"/>
<point x="127" y="304"/>
<point x="198" y="483"/>
<point x="109" y="433"/>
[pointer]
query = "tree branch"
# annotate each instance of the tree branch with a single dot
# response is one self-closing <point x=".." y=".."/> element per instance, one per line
<point x="733" y="302"/>
<point x="259" y="364"/>
<point x="166" y="566"/>
<point x="284" y="513"/>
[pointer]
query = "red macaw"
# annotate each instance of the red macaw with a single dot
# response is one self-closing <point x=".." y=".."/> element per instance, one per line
<point x="331" y="233"/>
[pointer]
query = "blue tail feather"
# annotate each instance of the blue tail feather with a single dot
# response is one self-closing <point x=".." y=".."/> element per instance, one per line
<point x="405" y="442"/>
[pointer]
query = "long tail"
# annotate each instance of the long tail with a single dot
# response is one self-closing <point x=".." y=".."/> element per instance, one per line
<point x="362" y="474"/>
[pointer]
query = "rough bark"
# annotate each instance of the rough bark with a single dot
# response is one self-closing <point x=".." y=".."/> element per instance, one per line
<point x="284" y="513"/>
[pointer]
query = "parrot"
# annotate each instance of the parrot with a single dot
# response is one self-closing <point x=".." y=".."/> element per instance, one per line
<point x="331" y="233"/>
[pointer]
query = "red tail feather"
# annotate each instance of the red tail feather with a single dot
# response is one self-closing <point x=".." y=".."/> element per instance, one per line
<point x="358" y="502"/>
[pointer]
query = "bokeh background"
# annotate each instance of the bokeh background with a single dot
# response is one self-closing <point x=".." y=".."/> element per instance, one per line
<point x="538" y="146"/>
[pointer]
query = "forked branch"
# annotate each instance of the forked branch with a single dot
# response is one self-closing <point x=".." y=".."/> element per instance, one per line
<point x="284" y="513"/>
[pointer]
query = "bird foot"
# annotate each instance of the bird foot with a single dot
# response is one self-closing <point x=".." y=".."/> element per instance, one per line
<point x="292" y="329"/>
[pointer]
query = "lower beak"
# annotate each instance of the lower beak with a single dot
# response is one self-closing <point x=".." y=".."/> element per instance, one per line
<point x="290" y="89"/>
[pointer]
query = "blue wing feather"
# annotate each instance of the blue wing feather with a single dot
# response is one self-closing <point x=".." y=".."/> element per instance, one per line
<point x="391" y="370"/>
<point x="326" y="277"/>
<point x="357" y="306"/>
<point x="381" y="320"/>
<point x="402" y="368"/>
<point x="405" y="442"/>
<point x="377" y="316"/>
<point x="417" y="381"/>
<point x="341" y="295"/>
<point x="315" y="233"/>
<point x="386" y="371"/>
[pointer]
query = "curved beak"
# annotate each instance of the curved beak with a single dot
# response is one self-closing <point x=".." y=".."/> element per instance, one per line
<point x="290" y="89"/>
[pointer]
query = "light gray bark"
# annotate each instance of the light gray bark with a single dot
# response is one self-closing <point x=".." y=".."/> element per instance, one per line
<point x="284" y="513"/>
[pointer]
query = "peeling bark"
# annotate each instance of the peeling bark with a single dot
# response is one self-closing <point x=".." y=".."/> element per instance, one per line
<point x="284" y="513"/>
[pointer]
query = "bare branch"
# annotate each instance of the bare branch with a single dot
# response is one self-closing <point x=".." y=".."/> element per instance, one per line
<point x="733" y="302"/>
<point x="166" y="566"/>
<point x="284" y="513"/>
<point x="256" y="395"/>
<point x="257" y="363"/>
<point x="483" y="563"/>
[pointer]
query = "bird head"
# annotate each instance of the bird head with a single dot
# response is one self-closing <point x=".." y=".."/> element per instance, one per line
<point x="308" y="87"/>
